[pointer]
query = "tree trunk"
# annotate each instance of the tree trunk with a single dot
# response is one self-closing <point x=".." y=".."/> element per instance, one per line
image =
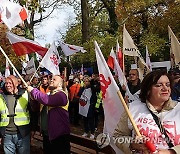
<point x="85" y="20"/>
<point x="110" y="6"/>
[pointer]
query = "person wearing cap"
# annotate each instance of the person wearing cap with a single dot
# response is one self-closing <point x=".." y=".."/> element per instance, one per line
<point x="15" y="118"/>
<point x="58" y="116"/>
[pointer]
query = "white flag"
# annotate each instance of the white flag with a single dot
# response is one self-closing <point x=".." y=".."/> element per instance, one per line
<point x="130" y="49"/>
<point x="51" y="60"/>
<point x="30" y="68"/>
<point x="7" y="71"/>
<point x="148" y="61"/>
<point x="82" y="69"/>
<point x="112" y="105"/>
<point x="71" y="49"/>
<point x="175" y="48"/>
<point x="14" y="73"/>
<point x="24" y="64"/>
<point x="12" y="13"/>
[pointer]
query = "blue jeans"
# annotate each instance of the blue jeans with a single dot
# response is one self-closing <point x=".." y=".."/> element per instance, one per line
<point x="15" y="143"/>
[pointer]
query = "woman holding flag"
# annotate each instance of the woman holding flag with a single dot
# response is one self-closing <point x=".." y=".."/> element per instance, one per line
<point x="156" y="116"/>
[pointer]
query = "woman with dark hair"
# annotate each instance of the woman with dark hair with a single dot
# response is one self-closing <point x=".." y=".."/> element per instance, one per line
<point x="156" y="116"/>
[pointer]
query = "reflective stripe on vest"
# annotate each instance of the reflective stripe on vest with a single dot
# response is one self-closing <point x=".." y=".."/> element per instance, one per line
<point x="99" y="99"/>
<point x="22" y="114"/>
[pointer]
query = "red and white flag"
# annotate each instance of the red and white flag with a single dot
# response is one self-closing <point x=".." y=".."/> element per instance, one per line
<point x="121" y="77"/>
<point x="71" y="49"/>
<point x="12" y="13"/>
<point x="110" y="60"/>
<point x="7" y="71"/>
<point x="113" y="107"/>
<point x="24" y="46"/>
<point x="51" y="60"/>
<point x="175" y="49"/>
<point x="119" y="55"/>
<point x="148" y="61"/>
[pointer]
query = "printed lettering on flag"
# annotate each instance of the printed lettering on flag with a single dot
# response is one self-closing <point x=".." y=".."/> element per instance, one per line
<point x="112" y="105"/>
<point x="51" y="60"/>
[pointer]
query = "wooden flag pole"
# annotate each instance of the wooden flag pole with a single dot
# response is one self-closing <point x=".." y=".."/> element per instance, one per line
<point x="148" y="143"/>
<point x="129" y="114"/>
<point x="26" y="85"/>
<point x="65" y="76"/>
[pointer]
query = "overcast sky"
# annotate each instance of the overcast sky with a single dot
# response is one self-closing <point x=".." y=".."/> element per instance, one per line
<point x="46" y="32"/>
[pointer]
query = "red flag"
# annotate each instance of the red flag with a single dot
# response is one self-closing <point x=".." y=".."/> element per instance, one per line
<point x="24" y="46"/>
<point x="119" y="56"/>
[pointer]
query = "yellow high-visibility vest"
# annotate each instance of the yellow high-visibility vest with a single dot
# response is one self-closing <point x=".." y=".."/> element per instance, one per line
<point x="21" y="117"/>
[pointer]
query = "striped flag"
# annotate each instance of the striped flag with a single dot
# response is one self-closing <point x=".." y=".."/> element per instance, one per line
<point x="120" y="56"/>
<point x="24" y="46"/>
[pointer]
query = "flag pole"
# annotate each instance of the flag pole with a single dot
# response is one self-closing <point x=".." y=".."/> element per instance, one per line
<point x="148" y="143"/>
<point x="26" y="85"/>
<point x="129" y="114"/>
<point x="65" y="76"/>
<point x="35" y="73"/>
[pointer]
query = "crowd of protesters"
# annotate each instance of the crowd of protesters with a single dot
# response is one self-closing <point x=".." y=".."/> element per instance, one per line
<point x="77" y="100"/>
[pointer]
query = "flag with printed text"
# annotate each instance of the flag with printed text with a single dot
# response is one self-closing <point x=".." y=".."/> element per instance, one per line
<point x="51" y="60"/>
<point x="112" y="105"/>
